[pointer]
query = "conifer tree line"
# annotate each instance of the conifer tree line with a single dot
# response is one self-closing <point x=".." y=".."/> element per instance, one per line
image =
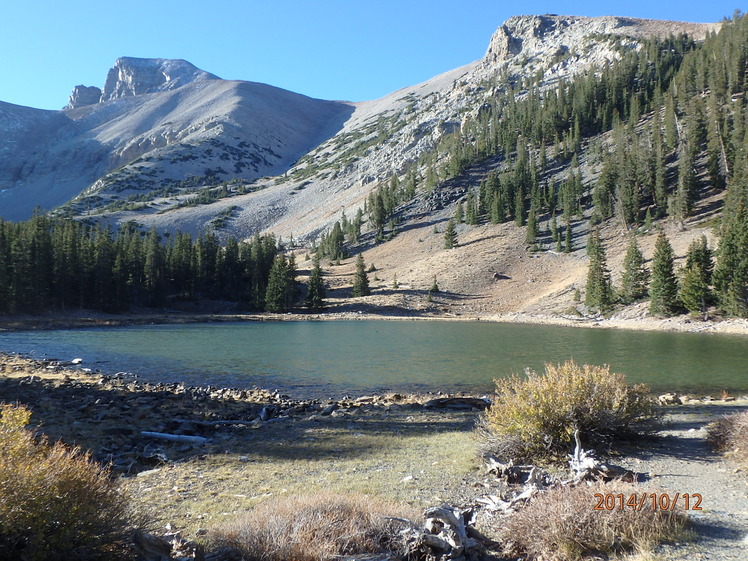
<point x="697" y="286"/>
<point x="58" y="263"/>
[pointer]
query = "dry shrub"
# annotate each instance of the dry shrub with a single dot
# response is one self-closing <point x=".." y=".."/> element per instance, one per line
<point x="730" y="434"/>
<point x="561" y="524"/>
<point x="55" y="502"/>
<point x="535" y="417"/>
<point x="313" y="528"/>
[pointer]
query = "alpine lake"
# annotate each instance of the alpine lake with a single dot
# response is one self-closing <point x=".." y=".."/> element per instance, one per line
<point x="329" y="359"/>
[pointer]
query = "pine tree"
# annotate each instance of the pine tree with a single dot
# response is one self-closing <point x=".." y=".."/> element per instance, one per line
<point x="532" y="226"/>
<point x="599" y="293"/>
<point x="693" y="293"/>
<point x="635" y="275"/>
<point x="276" y="294"/>
<point x="685" y="194"/>
<point x="434" y="286"/>
<point x="471" y="210"/>
<point x="603" y="192"/>
<point x="154" y="266"/>
<point x="292" y="289"/>
<point x="663" y="290"/>
<point x="460" y="213"/>
<point x="450" y="235"/>
<point x="671" y="127"/>
<point x="699" y="255"/>
<point x="315" y="296"/>
<point x="568" y="241"/>
<point x="731" y="271"/>
<point x="554" y="229"/>
<point x="360" y="278"/>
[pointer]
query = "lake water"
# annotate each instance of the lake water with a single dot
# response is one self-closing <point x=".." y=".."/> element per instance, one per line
<point x="333" y="358"/>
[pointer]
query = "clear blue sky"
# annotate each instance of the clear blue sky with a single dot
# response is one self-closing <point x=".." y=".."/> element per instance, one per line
<point x="328" y="49"/>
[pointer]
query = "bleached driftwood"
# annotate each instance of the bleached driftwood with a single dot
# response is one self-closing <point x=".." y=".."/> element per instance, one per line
<point x="175" y="437"/>
<point x="584" y="466"/>
<point x="447" y="534"/>
<point x="516" y="474"/>
<point x="582" y="463"/>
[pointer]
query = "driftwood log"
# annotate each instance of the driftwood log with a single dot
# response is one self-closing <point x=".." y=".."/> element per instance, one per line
<point x="175" y="437"/>
<point x="448" y="533"/>
<point x="585" y="467"/>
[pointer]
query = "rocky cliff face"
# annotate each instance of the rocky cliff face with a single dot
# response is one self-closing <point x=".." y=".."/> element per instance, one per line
<point x="135" y="76"/>
<point x="82" y="96"/>
<point x="548" y="39"/>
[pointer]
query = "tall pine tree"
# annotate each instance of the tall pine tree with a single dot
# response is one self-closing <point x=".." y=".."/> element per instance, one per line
<point x="635" y="275"/>
<point x="663" y="290"/>
<point x="599" y="292"/>
<point x="315" y="295"/>
<point x="450" y="235"/>
<point x="360" y="278"/>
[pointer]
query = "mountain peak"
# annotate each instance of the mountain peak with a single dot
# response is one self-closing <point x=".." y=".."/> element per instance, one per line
<point x="135" y="76"/>
<point x="554" y="35"/>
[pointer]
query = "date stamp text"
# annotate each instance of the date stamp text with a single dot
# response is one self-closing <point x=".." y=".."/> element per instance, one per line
<point x="655" y="501"/>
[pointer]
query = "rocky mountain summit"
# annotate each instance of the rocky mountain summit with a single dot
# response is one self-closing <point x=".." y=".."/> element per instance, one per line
<point x="170" y="145"/>
<point x="135" y="76"/>
<point x="551" y="36"/>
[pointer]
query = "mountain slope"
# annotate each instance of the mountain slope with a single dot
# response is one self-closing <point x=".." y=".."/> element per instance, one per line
<point x="194" y="129"/>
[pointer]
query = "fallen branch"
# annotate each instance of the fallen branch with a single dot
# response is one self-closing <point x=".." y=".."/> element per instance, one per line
<point x="175" y="437"/>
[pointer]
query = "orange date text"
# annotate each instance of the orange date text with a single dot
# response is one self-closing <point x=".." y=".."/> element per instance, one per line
<point x="654" y="501"/>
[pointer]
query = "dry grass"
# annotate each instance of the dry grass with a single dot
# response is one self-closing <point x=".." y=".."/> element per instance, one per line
<point x="562" y="525"/>
<point x="314" y="528"/>
<point x="364" y="454"/>
<point x="534" y="418"/>
<point x="730" y="435"/>
<point x="55" y="502"/>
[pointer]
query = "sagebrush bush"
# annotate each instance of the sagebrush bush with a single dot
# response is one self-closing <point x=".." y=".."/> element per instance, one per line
<point x="561" y="524"/>
<point x="56" y="503"/>
<point x="730" y="435"/>
<point x="314" y="528"/>
<point x="534" y="417"/>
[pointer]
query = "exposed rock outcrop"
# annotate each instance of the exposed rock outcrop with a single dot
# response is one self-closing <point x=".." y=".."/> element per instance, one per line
<point x="82" y="96"/>
<point x="135" y="76"/>
<point x="551" y="36"/>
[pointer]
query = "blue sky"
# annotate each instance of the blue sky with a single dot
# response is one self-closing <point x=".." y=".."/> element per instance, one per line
<point x="328" y="49"/>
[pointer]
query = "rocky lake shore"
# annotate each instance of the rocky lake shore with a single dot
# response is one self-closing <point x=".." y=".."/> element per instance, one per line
<point x="633" y="318"/>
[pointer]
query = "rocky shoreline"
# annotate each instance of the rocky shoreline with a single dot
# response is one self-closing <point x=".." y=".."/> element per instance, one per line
<point x="133" y="425"/>
<point x="638" y="321"/>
